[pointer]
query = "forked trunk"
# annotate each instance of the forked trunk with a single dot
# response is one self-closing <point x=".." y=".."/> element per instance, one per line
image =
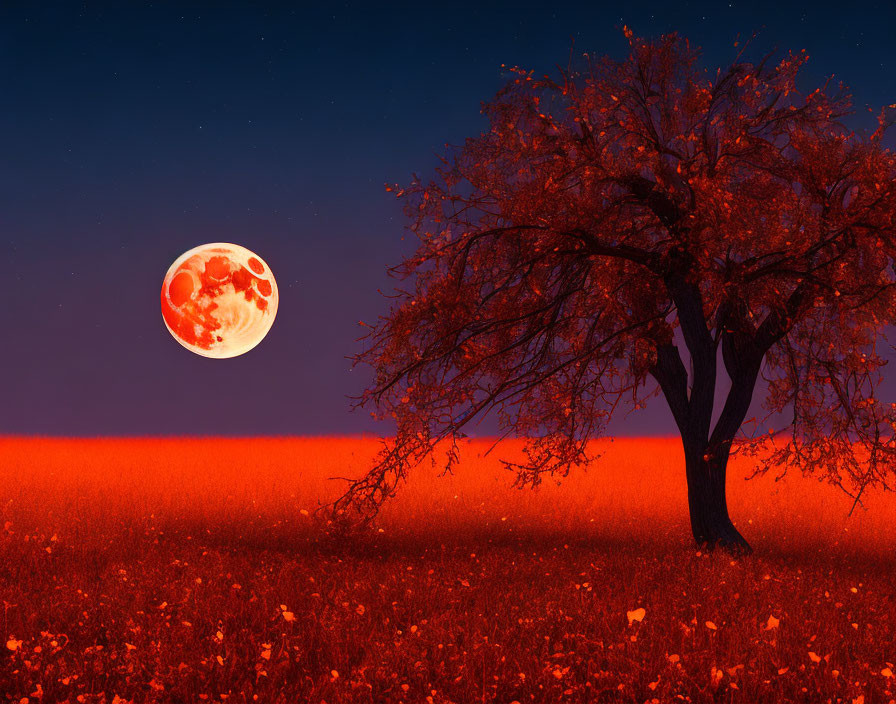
<point x="710" y="523"/>
<point x="706" y="449"/>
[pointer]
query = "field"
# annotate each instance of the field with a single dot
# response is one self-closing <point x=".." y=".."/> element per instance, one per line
<point x="178" y="570"/>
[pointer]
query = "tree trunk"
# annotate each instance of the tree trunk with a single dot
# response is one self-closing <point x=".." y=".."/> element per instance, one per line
<point x="710" y="523"/>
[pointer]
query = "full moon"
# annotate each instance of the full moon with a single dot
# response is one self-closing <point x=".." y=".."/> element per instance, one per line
<point x="219" y="300"/>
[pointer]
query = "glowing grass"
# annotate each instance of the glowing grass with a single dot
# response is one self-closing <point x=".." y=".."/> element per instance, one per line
<point x="186" y="570"/>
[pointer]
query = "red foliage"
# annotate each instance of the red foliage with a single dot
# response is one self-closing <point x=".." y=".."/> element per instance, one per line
<point x="615" y="210"/>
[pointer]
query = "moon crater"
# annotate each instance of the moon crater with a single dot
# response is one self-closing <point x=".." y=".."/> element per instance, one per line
<point x="219" y="300"/>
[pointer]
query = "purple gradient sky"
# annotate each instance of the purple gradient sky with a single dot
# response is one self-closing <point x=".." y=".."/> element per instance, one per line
<point x="133" y="132"/>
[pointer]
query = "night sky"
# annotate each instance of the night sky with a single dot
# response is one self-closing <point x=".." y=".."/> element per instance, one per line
<point x="131" y="133"/>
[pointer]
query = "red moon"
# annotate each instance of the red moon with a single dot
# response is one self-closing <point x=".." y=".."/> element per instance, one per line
<point x="219" y="300"/>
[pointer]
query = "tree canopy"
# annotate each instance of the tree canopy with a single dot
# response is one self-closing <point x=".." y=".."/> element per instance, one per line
<point x="619" y="214"/>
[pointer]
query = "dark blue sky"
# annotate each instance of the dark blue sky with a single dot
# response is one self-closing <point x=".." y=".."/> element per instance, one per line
<point x="132" y="132"/>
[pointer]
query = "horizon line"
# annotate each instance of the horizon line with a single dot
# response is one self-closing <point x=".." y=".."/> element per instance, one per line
<point x="314" y="436"/>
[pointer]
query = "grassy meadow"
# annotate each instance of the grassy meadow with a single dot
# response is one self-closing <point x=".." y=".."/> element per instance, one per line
<point x="191" y="570"/>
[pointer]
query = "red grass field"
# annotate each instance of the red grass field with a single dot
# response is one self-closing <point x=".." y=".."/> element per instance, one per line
<point x="189" y="570"/>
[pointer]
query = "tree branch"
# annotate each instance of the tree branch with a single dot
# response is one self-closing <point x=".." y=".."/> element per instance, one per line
<point x="671" y="375"/>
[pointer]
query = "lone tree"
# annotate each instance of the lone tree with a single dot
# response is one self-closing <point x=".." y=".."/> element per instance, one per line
<point x="618" y="215"/>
